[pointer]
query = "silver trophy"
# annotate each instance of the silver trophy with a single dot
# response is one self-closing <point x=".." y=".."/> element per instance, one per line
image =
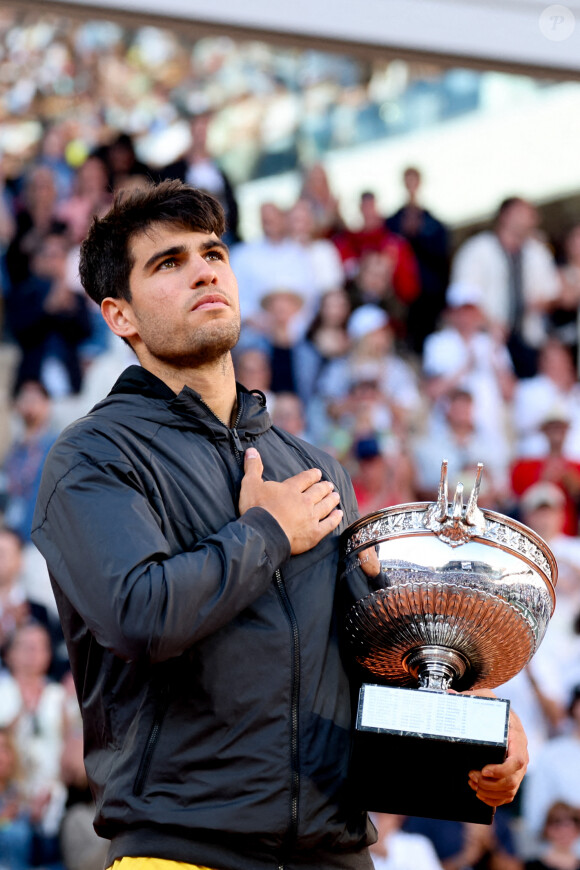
<point x="459" y="598"/>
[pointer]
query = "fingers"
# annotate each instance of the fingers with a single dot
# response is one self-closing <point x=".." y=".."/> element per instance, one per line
<point x="327" y="504"/>
<point x="320" y="491"/>
<point x="498" y="784"/>
<point x="253" y="466"/>
<point x="329" y="523"/>
<point x="305" y="479"/>
<point x="494" y="792"/>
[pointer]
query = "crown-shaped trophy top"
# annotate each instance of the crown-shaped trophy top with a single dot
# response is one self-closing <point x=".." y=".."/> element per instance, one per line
<point x="454" y="522"/>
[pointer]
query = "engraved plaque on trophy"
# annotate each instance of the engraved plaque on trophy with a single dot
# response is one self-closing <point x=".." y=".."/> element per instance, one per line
<point x="459" y="598"/>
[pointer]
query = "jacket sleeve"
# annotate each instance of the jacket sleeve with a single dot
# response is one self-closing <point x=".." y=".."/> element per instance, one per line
<point x="107" y="554"/>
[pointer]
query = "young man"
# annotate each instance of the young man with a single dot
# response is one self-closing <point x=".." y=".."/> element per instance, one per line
<point x="194" y="553"/>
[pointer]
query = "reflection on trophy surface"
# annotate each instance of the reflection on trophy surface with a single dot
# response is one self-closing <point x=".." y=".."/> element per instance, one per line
<point x="461" y="599"/>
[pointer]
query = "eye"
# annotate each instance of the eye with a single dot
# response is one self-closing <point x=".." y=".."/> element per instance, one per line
<point x="168" y="263"/>
<point x="215" y="254"/>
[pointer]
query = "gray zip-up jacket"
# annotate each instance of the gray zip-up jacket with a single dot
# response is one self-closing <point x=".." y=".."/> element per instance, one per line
<point x="215" y="701"/>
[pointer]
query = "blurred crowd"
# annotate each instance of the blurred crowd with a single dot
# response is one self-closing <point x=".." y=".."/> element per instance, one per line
<point x="275" y="107"/>
<point x="378" y="341"/>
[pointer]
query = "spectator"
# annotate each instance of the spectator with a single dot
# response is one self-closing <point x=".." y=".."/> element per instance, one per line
<point x="272" y="262"/>
<point x="373" y="285"/>
<point x="371" y="389"/>
<point x="327" y="331"/>
<point x="81" y="847"/>
<point x="373" y="354"/>
<point x="539" y="692"/>
<point x="464" y="355"/>
<point x="379" y="479"/>
<point x="281" y="309"/>
<point x="16" y="607"/>
<point x="49" y="320"/>
<point x="329" y="343"/>
<point x="554" y="467"/>
<point x="554" y="386"/>
<point x="15" y="826"/>
<point x="564" y="315"/>
<point x="326" y="268"/>
<point x="316" y="189"/>
<point x="518" y="279"/>
<point x="254" y="370"/>
<point x="468" y="846"/>
<point x="35" y="219"/>
<point x="554" y="775"/>
<point x="288" y="414"/>
<point x="397" y="849"/>
<point x="560" y="835"/>
<point x="22" y="465"/>
<point x="90" y="196"/>
<point x="429" y="240"/>
<point x="456" y="438"/>
<point x="375" y="236"/>
<point x="34" y="706"/>
<point x="52" y="154"/>
<point x="123" y="165"/>
<point x="198" y="168"/>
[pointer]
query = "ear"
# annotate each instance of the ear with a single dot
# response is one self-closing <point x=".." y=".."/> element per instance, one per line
<point x="119" y="317"/>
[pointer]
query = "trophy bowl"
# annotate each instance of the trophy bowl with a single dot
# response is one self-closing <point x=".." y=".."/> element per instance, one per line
<point x="461" y="598"/>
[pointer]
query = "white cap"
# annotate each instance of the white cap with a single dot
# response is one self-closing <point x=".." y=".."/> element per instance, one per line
<point x="542" y="494"/>
<point x="556" y="413"/>
<point x="367" y="318"/>
<point x="461" y="293"/>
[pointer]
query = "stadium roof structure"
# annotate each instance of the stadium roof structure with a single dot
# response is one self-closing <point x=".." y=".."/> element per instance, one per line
<point x="535" y="37"/>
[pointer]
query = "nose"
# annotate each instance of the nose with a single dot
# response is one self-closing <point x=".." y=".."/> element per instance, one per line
<point x="203" y="272"/>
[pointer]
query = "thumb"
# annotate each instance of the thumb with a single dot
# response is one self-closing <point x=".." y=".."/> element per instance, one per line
<point x="253" y="466"/>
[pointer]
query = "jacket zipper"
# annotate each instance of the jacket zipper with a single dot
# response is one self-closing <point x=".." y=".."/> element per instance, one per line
<point x="292" y="832"/>
<point x="294" y="705"/>
<point x="295" y="649"/>
<point x="238" y="450"/>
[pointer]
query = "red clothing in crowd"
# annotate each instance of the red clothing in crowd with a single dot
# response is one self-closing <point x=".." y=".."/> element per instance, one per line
<point x="560" y="471"/>
<point x="352" y="245"/>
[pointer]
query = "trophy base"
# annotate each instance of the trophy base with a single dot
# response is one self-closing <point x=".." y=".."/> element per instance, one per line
<point x="413" y="750"/>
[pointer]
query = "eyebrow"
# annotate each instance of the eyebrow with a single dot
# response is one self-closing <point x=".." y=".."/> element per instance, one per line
<point x="179" y="250"/>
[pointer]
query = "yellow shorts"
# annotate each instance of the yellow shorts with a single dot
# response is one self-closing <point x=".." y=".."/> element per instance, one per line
<point x="152" y="864"/>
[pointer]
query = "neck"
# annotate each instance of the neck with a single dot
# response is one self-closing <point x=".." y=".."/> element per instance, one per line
<point x="34" y="428"/>
<point x="462" y="431"/>
<point x="215" y="382"/>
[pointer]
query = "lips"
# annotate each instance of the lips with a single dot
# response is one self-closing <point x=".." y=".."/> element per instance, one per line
<point x="209" y="301"/>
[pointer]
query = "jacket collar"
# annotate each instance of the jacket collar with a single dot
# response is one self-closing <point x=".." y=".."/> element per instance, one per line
<point x="253" y="417"/>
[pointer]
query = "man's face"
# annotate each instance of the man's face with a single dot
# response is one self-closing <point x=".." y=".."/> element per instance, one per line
<point x="274" y="225"/>
<point x="522" y="219"/>
<point x="184" y="307"/>
<point x="369" y="210"/>
<point x="50" y="259"/>
<point x="32" y="404"/>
